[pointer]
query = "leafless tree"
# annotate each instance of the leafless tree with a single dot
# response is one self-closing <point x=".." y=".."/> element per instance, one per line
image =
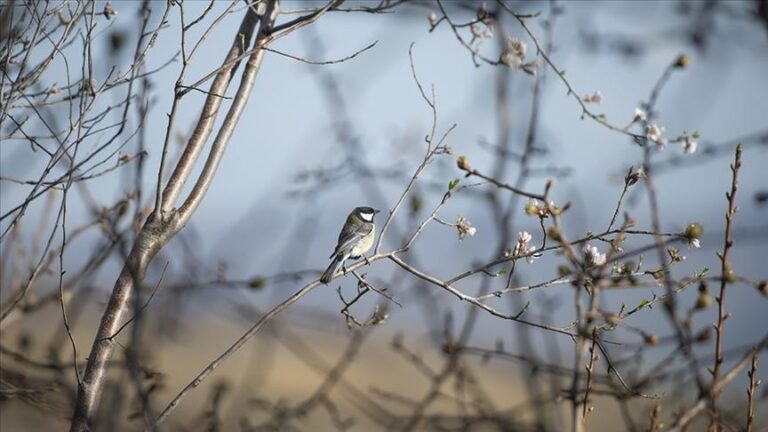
<point x="74" y="124"/>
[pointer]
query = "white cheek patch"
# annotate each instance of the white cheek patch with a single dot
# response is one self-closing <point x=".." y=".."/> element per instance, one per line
<point x="368" y="217"/>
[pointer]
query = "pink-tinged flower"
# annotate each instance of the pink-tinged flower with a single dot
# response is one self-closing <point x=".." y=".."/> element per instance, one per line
<point x="432" y="19"/>
<point x="514" y="53"/>
<point x="593" y="257"/>
<point x="523" y="247"/>
<point x="595" y="97"/>
<point x="465" y="228"/>
<point x="524" y="237"/>
<point x="518" y="46"/>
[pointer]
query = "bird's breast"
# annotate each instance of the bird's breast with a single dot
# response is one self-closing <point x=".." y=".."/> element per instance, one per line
<point x="364" y="244"/>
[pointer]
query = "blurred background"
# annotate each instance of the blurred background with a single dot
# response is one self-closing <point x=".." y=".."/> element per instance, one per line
<point x="317" y="140"/>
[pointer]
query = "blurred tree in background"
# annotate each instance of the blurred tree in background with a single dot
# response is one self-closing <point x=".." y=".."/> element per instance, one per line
<point x="549" y="256"/>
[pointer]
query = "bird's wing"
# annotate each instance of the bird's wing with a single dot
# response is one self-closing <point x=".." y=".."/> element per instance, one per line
<point x="348" y="237"/>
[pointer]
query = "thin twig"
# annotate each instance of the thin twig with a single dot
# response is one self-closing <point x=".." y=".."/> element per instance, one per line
<point x="726" y="274"/>
<point x="688" y="415"/>
<point x="324" y="62"/>
<point x="753" y="383"/>
<point x="212" y="366"/>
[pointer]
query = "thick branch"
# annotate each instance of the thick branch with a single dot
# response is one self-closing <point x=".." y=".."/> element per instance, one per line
<point x="157" y="232"/>
<point x="208" y="115"/>
<point x="230" y="121"/>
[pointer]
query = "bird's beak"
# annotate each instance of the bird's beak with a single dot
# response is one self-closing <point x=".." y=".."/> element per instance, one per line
<point x="376" y="211"/>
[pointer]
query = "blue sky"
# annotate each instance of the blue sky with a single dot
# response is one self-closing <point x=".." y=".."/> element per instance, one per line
<point x="286" y="128"/>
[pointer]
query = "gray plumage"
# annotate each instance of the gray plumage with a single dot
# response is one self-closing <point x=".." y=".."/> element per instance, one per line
<point x="355" y="239"/>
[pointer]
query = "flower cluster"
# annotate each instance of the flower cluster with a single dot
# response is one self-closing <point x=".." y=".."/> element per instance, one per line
<point x="484" y="31"/>
<point x="654" y="132"/>
<point x="523" y="247"/>
<point x="514" y="53"/>
<point x="593" y="257"/>
<point x="535" y="207"/>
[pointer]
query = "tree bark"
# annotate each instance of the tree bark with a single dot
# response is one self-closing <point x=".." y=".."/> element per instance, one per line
<point x="157" y="232"/>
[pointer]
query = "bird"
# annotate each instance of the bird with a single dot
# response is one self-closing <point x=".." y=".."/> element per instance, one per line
<point x="355" y="239"/>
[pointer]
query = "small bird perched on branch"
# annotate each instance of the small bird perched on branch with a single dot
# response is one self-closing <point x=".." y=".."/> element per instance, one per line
<point x="355" y="239"/>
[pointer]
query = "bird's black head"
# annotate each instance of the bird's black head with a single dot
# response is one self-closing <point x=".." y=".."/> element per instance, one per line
<point x="365" y="213"/>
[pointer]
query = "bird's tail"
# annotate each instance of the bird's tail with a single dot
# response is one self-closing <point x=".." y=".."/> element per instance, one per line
<point x="328" y="274"/>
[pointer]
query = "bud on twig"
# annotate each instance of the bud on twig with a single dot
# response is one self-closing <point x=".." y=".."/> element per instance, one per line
<point x="463" y="163"/>
<point x="109" y="11"/>
<point x="634" y="176"/>
<point x="704" y="300"/>
<point x="651" y="339"/>
<point x="683" y="61"/>
<point x="554" y="234"/>
<point x="693" y="233"/>
<point x="763" y="288"/>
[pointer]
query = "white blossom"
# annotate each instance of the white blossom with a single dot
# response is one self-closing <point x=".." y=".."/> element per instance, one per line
<point x="653" y="132"/>
<point x="514" y="53"/>
<point x="523" y="247"/>
<point x="518" y="46"/>
<point x="524" y="237"/>
<point x="465" y="228"/>
<point x="640" y="114"/>
<point x="694" y="243"/>
<point x="593" y="256"/>
<point x="432" y="19"/>
<point x="689" y="145"/>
